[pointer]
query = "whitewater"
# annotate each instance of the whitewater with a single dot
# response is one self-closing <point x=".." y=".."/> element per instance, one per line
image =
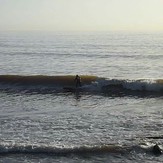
<point x="115" y="116"/>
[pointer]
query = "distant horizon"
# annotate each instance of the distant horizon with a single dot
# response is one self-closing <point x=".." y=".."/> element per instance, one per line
<point x="86" y="31"/>
<point x="81" y="15"/>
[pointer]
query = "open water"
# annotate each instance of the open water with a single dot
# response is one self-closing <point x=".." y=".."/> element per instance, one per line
<point x="117" y="114"/>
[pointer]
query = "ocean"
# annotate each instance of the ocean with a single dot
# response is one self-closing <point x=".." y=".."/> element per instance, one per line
<point x="115" y="116"/>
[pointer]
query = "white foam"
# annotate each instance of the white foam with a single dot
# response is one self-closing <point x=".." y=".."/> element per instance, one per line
<point x="142" y="85"/>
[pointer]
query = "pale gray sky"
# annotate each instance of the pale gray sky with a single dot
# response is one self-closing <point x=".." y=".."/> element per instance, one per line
<point x="81" y="15"/>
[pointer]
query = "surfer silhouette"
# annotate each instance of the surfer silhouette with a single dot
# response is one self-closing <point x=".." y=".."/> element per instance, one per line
<point x="78" y="81"/>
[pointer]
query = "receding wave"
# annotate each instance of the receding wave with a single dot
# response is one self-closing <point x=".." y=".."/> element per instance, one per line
<point x="42" y="83"/>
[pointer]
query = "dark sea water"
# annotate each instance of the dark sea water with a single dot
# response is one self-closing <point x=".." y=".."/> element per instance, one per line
<point x="117" y="114"/>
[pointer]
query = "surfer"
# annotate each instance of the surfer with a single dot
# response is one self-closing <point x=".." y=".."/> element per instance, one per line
<point x="78" y="81"/>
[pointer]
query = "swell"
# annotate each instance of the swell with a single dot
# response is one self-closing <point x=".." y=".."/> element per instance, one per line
<point x="44" y="80"/>
<point x="90" y="84"/>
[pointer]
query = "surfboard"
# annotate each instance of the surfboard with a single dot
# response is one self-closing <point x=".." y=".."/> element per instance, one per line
<point x="71" y="89"/>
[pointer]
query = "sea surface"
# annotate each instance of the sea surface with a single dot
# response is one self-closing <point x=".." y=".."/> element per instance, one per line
<point x="115" y="116"/>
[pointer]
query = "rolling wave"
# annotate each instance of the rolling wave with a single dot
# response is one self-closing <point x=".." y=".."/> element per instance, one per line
<point x="8" y="148"/>
<point x="96" y="84"/>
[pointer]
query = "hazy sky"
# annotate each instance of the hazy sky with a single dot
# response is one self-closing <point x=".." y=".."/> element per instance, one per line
<point x="81" y="15"/>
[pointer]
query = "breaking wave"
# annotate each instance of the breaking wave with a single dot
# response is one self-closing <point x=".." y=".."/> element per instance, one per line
<point x="42" y="83"/>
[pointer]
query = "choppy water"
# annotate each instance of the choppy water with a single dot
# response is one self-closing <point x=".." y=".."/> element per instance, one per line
<point x="117" y="115"/>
